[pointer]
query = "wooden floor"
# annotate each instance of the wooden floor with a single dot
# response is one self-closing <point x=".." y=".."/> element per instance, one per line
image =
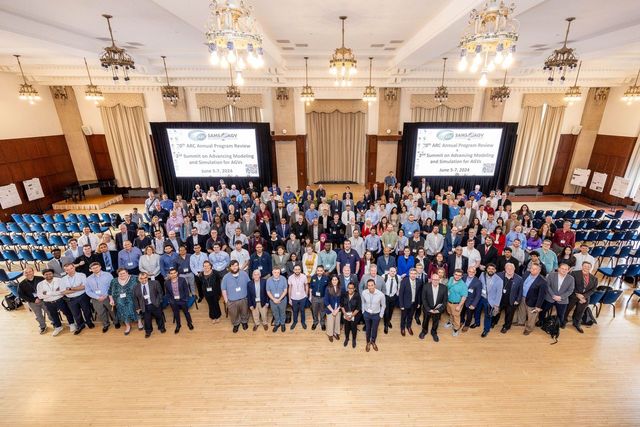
<point x="211" y="376"/>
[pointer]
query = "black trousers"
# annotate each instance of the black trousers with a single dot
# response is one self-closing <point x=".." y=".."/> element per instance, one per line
<point x="52" y="309"/>
<point x="509" y="311"/>
<point x="467" y="316"/>
<point x="178" y="306"/>
<point x="406" y="317"/>
<point x="152" y="312"/>
<point x="435" y="321"/>
<point x="561" y="311"/>
<point x="388" y="310"/>
<point x="213" y="301"/>
<point x="578" y="310"/>
<point x="199" y="289"/>
<point x="81" y="309"/>
<point x="350" y="327"/>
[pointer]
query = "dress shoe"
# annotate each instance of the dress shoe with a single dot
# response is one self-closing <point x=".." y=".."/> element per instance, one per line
<point x="127" y="332"/>
<point x="265" y="327"/>
<point x="275" y="328"/>
<point x="190" y="326"/>
<point x="283" y="328"/>
<point x="503" y="330"/>
<point x="147" y="334"/>
<point x="91" y="325"/>
<point x="140" y="327"/>
<point x="337" y="337"/>
<point x="163" y="330"/>
<point x="200" y="299"/>
<point x="418" y="321"/>
<point x="43" y="330"/>
<point x="368" y="346"/>
<point x="410" y="331"/>
<point x="578" y="328"/>
<point x="330" y="338"/>
<point x="402" y="332"/>
<point x="375" y="347"/>
<point x="525" y="332"/>
<point x="235" y="329"/>
<point x="422" y="335"/>
<point x="323" y="327"/>
<point x="353" y="343"/>
<point x="474" y="326"/>
<point x="390" y="325"/>
<point x="465" y="328"/>
<point x="293" y="326"/>
<point x="255" y="328"/>
<point x="314" y="326"/>
<point x="346" y="341"/>
<point x="117" y="325"/>
<point x="484" y="334"/>
<point x="386" y="329"/>
<point x="177" y="330"/>
<point x="78" y="330"/>
<point x="304" y="326"/>
<point x="435" y="337"/>
<point x="245" y="326"/>
<point x="105" y="329"/>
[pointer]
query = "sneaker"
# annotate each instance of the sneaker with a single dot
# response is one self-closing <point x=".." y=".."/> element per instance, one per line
<point x="73" y="327"/>
<point x="447" y="325"/>
<point x="57" y="331"/>
<point x="456" y="333"/>
<point x="43" y="330"/>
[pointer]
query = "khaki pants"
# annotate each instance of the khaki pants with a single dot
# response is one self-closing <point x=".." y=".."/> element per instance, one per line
<point x="333" y="324"/>
<point x="260" y="312"/>
<point x="532" y="317"/>
<point x="454" y="315"/>
<point x="238" y="311"/>
<point x="520" y="317"/>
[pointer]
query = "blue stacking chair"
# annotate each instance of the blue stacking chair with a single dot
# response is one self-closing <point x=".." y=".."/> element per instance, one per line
<point x="635" y="224"/>
<point x="24" y="227"/>
<point x="95" y="228"/>
<point x="588" y="214"/>
<point x="41" y="257"/>
<point x="17" y="218"/>
<point x="9" y="276"/>
<point x="72" y="218"/>
<point x="61" y="227"/>
<point x="635" y="293"/>
<point x="595" y="298"/>
<point x="617" y="215"/>
<point x="591" y="224"/>
<point x="597" y="251"/>
<point x="83" y="219"/>
<point x="559" y="214"/>
<point x="13" y="227"/>
<point x="49" y="228"/>
<point x="59" y="218"/>
<point x="609" y="252"/>
<point x="36" y="227"/>
<point x="580" y="214"/>
<point x="6" y="241"/>
<point x="57" y="240"/>
<point x="602" y="236"/>
<point x="43" y="241"/>
<point x="624" y="225"/>
<point x="624" y="252"/>
<point x="74" y="227"/>
<point x="581" y="236"/>
<point x="615" y="238"/>
<point x="570" y="215"/>
<point x="19" y="241"/>
<point x="11" y="257"/>
<point x="25" y="257"/>
<point x="93" y="217"/>
<point x="616" y="272"/>
<point x="31" y="240"/>
<point x="3" y="228"/>
<point x="633" y="272"/>
<point x="610" y="297"/>
<point x="538" y="215"/>
<point x="28" y="218"/>
<point x="116" y="219"/>
<point x="105" y="219"/>
<point x="598" y="214"/>
<point x="48" y="218"/>
<point x="38" y="219"/>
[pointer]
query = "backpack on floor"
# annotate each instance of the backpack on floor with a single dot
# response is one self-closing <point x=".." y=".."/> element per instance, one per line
<point x="11" y="302"/>
<point x="551" y="325"/>
<point x="588" y="319"/>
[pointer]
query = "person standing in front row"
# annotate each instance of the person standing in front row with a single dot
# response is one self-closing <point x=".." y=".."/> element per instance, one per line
<point x="534" y="289"/>
<point x="258" y="300"/>
<point x="97" y="288"/>
<point x="373" y="305"/>
<point x="28" y="292"/>
<point x="408" y="299"/>
<point x="148" y="300"/>
<point x="177" y="290"/>
<point x="277" y="292"/>
<point x="317" y="288"/>
<point x="234" y="292"/>
<point x="457" y="295"/>
<point x="298" y="291"/>
<point x="332" y="308"/>
<point x="434" y="301"/>
<point x="351" y="307"/>
<point x="121" y="298"/>
<point x="210" y="280"/>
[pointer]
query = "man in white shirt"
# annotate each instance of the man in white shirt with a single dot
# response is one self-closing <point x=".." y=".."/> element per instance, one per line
<point x="347" y="214"/>
<point x="88" y="238"/>
<point x="472" y="254"/>
<point x="357" y="243"/>
<point x="584" y="256"/>
<point x="427" y="213"/>
<point x="241" y="255"/>
<point x="434" y="242"/>
<point x="72" y="285"/>
<point x="51" y="292"/>
<point x="517" y="252"/>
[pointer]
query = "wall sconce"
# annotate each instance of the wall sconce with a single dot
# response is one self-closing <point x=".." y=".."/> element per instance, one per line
<point x="282" y="95"/>
<point x="600" y="95"/>
<point x="391" y="94"/>
<point x="59" y="92"/>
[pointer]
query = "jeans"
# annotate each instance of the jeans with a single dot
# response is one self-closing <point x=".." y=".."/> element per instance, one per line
<point x="371" y="321"/>
<point x="298" y="307"/>
<point x="53" y="307"/>
<point x="279" y="311"/>
<point x="484" y="307"/>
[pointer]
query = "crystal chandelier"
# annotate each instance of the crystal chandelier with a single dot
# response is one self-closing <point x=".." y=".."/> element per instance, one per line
<point x="27" y="92"/>
<point x="370" y="94"/>
<point x="561" y="60"/>
<point x="169" y="93"/>
<point x="233" y="92"/>
<point x="442" y="93"/>
<point x="501" y="93"/>
<point x="116" y="58"/>
<point x="232" y="35"/>
<point x="343" y="63"/>
<point x="632" y="94"/>
<point x="307" y="96"/>
<point x="573" y="94"/>
<point x="490" y="37"/>
<point x="92" y="93"/>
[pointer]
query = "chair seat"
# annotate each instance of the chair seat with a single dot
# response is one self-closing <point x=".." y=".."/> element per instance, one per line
<point x="13" y="275"/>
<point x="607" y="271"/>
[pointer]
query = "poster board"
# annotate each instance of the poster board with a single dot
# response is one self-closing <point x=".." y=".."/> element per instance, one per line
<point x="9" y="196"/>
<point x="636" y="197"/>
<point x="33" y="188"/>
<point x="598" y="181"/>
<point x="580" y="177"/>
<point x="620" y="187"/>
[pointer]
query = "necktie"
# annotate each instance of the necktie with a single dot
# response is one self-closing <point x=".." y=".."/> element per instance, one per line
<point x="60" y="262"/>
<point x="174" y="285"/>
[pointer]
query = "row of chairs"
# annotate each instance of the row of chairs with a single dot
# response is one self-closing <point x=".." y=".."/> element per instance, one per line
<point x="571" y="214"/>
<point x="614" y="253"/>
<point x="99" y="218"/>
<point x="41" y="241"/>
<point x="620" y="271"/>
<point x="57" y="228"/>
<point x="615" y="238"/>
<point x="21" y="257"/>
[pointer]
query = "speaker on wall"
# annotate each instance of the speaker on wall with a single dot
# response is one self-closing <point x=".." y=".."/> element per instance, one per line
<point x="87" y="130"/>
<point x="576" y="130"/>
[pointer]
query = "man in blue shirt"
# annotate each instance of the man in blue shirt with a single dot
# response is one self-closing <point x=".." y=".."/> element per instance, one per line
<point x="129" y="257"/>
<point x="97" y="288"/>
<point x="260" y="260"/>
<point x="317" y="288"/>
<point x="168" y="260"/>
<point x="410" y="226"/>
<point x="348" y="256"/>
<point x="277" y="292"/>
<point x="219" y="259"/>
<point x="234" y="291"/>
<point x="287" y="195"/>
<point x="476" y="193"/>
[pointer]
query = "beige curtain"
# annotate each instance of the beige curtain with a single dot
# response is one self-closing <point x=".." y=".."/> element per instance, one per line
<point x="210" y="114"/>
<point x="129" y="146"/>
<point x="249" y="114"/>
<point x="536" y="146"/>
<point x="633" y="170"/>
<point x="336" y="146"/>
<point x="441" y="113"/>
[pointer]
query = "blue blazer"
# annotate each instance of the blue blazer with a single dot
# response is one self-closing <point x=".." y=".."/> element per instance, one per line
<point x="537" y="291"/>
<point x="251" y="293"/>
<point x="448" y="245"/>
<point x="494" y="293"/>
<point x="284" y="235"/>
<point x="516" y="288"/>
<point x="183" y="291"/>
<point x="383" y="265"/>
<point x="332" y="300"/>
<point x="474" y="292"/>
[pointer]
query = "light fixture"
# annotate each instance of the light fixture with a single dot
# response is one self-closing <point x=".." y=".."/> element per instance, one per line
<point x="239" y="81"/>
<point x="343" y="63"/>
<point x="232" y="35"/>
<point x="632" y="94"/>
<point x="490" y="37"/>
<point x="27" y="92"/>
<point x="233" y="93"/>
<point x="500" y="94"/>
<point x="92" y="93"/>
<point x="60" y="92"/>
<point x="442" y="93"/>
<point x="561" y="60"/>
<point x="116" y="58"/>
<point x="600" y="95"/>
<point x="391" y="94"/>
<point x="370" y="93"/>
<point x="282" y="95"/>
<point x="307" y="96"/>
<point x="573" y="94"/>
<point x="170" y="93"/>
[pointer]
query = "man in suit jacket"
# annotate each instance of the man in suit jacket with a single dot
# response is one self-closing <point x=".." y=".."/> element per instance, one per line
<point x="147" y="296"/>
<point x="122" y="235"/>
<point x="488" y="252"/>
<point x="177" y="290"/>
<point x="474" y="293"/>
<point x="457" y="261"/>
<point x="107" y="259"/>
<point x="195" y="239"/>
<point x="561" y="286"/>
<point x="441" y="210"/>
<point x="347" y="277"/>
<point x="283" y="230"/>
<point x="434" y="302"/>
<point x="374" y="194"/>
<point x="335" y="207"/>
<point x="585" y="285"/>
<point x="408" y="300"/>
<point x="58" y="262"/>
<point x="534" y="289"/>
<point x="511" y="295"/>
<point x="507" y="258"/>
<point x="258" y="300"/>
<point x="173" y="240"/>
<point x="280" y="213"/>
<point x="451" y="240"/>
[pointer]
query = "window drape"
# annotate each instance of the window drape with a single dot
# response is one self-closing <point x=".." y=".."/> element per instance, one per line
<point x="336" y="146"/>
<point x="249" y="114"/>
<point x="129" y="146"/>
<point x="633" y="170"/>
<point x="441" y="113"/>
<point x="211" y="114"/>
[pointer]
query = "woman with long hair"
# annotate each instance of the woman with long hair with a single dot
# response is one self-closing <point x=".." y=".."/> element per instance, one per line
<point x="332" y="298"/>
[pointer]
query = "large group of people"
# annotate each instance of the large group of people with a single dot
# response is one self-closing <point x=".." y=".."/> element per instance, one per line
<point x="467" y="258"/>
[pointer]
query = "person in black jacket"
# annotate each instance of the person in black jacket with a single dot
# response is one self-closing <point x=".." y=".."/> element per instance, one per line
<point x="83" y="262"/>
<point x="507" y="258"/>
<point x="212" y="292"/>
<point x="141" y="241"/>
<point x="488" y="253"/>
<point x="511" y="295"/>
<point x="27" y="290"/>
<point x="107" y="259"/>
<point x="258" y="300"/>
<point x="351" y="307"/>
<point x="534" y="289"/>
<point x="474" y="293"/>
<point x="147" y="295"/>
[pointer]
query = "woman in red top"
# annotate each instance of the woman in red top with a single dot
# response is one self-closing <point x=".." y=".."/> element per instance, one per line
<point x="498" y="240"/>
<point x="438" y="262"/>
<point x="365" y="262"/>
<point x="382" y="225"/>
<point x="367" y="229"/>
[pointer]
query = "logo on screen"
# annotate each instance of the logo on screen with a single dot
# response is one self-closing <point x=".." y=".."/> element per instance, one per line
<point x="197" y="135"/>
<point x="445" y="135"/>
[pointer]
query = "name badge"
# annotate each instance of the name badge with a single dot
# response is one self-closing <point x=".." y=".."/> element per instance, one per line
<point x="370" y="310"/>
<point x="276" y="295"/>
<point x="238" y="289"/>
<point x="317" y="294"/>
<point x="562" y="242"/>
<point x="176" y="297"/>
<point x="186" y="270"/>
<point x="35" y="295"/>
<point x="504" y="291"/>
<point x="130" y="264"/>
<point x="209" y="289"/>
<point x="470" y="291"/>
<point x="123" y="295"/>
<point x="152" y="277"/>
<point x="98" y="291"/>
<point x="260" y="268"/>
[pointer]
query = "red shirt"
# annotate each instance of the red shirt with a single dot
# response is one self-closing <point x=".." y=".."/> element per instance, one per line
<point x="564" y="238"/>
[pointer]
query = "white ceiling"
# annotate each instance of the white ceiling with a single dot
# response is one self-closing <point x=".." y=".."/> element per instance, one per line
<point x="53" y="36"/>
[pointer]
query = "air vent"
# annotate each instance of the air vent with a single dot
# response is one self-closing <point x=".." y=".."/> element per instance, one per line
<point x="283" y="41"/>
<point x="302" y="45"/>
<point x="396" y="41"/>
<point x="377" y="45"/>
